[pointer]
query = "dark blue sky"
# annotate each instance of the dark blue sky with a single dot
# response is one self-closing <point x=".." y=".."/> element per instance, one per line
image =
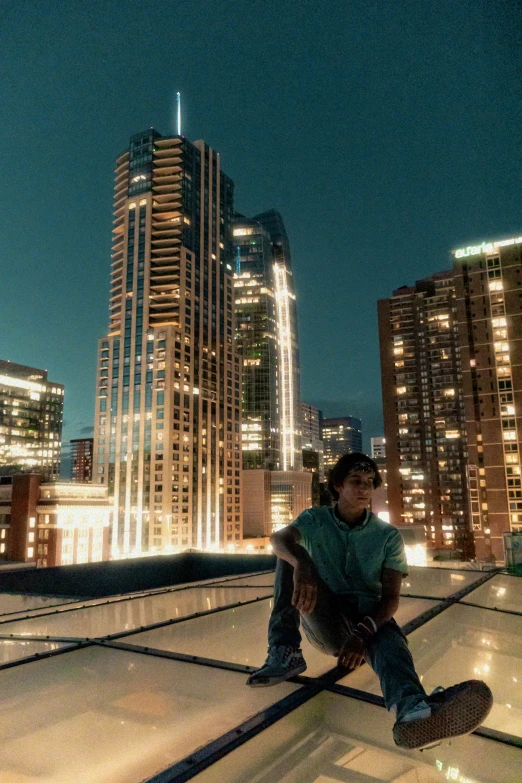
<point x="386" y="132"/>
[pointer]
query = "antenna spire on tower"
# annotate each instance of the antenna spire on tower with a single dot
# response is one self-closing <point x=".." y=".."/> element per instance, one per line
<point x="178" y="100"/>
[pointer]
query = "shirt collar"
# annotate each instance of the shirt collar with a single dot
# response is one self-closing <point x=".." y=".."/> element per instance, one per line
<point x="344" y="526"/>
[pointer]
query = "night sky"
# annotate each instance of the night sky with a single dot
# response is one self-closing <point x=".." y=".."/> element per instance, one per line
<point x="386" y="133"/>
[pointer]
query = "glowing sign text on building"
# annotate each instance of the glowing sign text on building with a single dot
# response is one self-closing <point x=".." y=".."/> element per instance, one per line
<point x="485" y="247"/>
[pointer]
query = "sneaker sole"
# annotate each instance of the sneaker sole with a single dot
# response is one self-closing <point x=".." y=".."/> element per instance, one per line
<point x="268" y="681"/>
<point x="462" y="715"/>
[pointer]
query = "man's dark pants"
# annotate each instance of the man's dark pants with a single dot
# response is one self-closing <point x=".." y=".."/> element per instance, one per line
<point x="327" y="628"/>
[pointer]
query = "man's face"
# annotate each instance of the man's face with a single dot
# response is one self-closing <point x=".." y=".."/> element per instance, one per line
<point x="356" y="491"/>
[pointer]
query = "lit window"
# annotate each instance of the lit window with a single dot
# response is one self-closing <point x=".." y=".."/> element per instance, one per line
<point x="401" y="389"/>
<point x="496" y="285"/>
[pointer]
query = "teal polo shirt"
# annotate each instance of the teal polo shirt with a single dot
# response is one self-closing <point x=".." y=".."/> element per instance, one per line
<point x="350" y="560"/>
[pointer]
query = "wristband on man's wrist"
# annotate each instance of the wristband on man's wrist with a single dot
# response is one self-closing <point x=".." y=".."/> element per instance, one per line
<point x="367" y="628"/>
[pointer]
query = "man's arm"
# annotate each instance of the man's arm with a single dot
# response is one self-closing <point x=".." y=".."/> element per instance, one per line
<point x="353" y="651"/>
<point x="285" y="544"/>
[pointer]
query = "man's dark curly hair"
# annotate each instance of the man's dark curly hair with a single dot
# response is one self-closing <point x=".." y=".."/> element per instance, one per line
<point x="346" y="465"/>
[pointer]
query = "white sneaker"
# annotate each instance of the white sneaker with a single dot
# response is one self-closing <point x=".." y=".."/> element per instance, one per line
<point x="281" y="664"/>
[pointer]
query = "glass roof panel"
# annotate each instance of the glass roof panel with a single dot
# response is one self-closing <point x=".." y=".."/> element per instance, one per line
<point x="501" y="592"/>
<point x="335" y="739"/>
<point x="16" y="649"/>
<point x="437" y="582"/>
<point x="465" y="643"/>
<point x="14" y="602"/>
<point x="256" y="579"/>
<point x="108" y="715"/>
<point x="104" y="619"/>
<point x="240" y="635"/>
<point x="430" y="582"/>
<point x="234" y="635"/>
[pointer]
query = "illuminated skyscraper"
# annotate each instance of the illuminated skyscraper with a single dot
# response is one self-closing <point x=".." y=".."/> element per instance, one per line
<point x="451" y="358"/>
<point x="31" y="413"/>
<point x="426" y="454"/>
<point x="257" y="340"/>
<point x="266" y="320"/>
<point x="266" y="335"/>
<point x="488" y="282"/>
<point x="168" y="415"/>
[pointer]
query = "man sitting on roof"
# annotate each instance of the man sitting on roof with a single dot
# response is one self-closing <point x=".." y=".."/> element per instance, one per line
<point x="339" y="573"/>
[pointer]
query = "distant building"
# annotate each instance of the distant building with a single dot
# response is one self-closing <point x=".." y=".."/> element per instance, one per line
<point x="266" y="336"/>
<point x="53" y="523"/>
<point x="81" y="459"/>
<point x="340" y="436"/>
<point x="276" y="498"/>
<point x="258" y="342"/>
<point x="311" y="441"/>
<point x="31" y="413"/>
<point x="451" y="359"/>
<point x="378" y="447"/>
<point x="167" y="434"/>
<point x="488" y="287"/>
<point x="423" y="407"/>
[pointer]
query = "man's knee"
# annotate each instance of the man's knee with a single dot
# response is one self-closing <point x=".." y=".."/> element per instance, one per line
<point x="323" y="639"/>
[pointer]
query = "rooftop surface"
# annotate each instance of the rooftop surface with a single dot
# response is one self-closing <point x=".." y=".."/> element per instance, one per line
<point x="150" y="686"/>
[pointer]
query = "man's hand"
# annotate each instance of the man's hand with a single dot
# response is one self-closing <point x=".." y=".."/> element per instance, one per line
<point x="305" y="588"/>
<point x="352" y="653"/>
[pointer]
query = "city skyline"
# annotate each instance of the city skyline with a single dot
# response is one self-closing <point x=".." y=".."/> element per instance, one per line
<point x="406" y="161"/>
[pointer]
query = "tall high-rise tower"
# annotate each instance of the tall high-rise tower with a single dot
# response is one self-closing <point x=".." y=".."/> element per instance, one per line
<point x="275" y="489"/>
<point x="286" y="321"/>
<point x="488" y="282"/>
<point x="167" y="430"/>
<point x="257" y="339"/>
<point x="424" y="422"/>
<point x="266" y="319"/>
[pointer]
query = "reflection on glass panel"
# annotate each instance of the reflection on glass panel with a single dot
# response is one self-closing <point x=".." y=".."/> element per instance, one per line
<point x="501" y="592"/>
<point x="437" y="582"/>
<point x="465" y="643"/>
<point x="15" y="649"/>
<point x="256" y="579"/>
<point x="235" y="635"/>
<point x="104" y="619"/>
<point x="107" y="715"/>
<point x="240" y="636"/>
<point x="25" y="603"/>
<point x="334" y="739"/>
<point x="410" y="608"/>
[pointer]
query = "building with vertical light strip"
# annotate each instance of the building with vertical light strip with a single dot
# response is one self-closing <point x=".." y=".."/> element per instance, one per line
<point x="488" y="280"/>
<point x="168" y="413"/>
<point x="275" y="490"/>
<point x="286" y="325"/>
<point x="257" y="340"/>
<point x="31" y="414"/>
